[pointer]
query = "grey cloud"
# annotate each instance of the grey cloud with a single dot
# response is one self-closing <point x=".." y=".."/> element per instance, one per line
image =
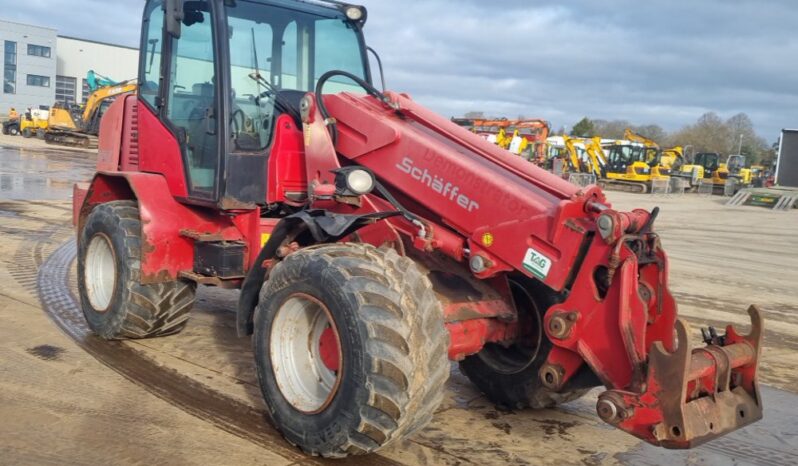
<point x="655" y="61"/>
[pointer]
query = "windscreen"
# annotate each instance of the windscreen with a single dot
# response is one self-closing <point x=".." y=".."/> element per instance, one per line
<point x="290" y="50"/>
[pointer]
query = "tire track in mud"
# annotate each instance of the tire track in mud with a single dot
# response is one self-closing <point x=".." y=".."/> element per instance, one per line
<point x="167" y="384"/>
<point x="24" y="266"/>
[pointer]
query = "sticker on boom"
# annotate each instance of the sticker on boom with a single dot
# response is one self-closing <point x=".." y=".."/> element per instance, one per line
<point x="538" y="264"/>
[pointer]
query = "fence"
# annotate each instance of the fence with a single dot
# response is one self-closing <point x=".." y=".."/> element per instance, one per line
<point x="705" y="187"/>
<point x="582" y="180"/>
<point x="660" y="186"/>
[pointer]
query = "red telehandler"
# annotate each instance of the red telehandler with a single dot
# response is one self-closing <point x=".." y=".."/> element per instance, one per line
<point x="373" y="241"/>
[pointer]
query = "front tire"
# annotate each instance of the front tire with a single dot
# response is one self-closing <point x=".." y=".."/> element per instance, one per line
<point x="384" y="376"/>
<point x="510" y="376"/>
<point x="27" y="133"/>
<point x="116" y="305"/>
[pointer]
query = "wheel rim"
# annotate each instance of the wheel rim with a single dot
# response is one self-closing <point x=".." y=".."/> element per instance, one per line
<point x="522" y="354"/>
<point x="100" y="272"/>
<point x="305" y="353"/>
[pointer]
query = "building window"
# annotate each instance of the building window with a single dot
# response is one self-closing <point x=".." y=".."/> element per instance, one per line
<point x="10" y="68"/>
<point x="65" y="88"/>
<point x="86" y="90"/>
<point x="38" y="51"/>
<point x="40" y="81"/>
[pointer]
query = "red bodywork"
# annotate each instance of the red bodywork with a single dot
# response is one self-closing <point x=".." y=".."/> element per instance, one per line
<point x="479" y="204"/>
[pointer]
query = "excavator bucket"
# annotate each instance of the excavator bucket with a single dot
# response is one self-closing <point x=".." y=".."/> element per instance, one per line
<point x="693" y="395"/>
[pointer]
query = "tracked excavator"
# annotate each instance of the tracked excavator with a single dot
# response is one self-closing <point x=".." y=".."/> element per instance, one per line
<point x="374" y="241"/>
<point x="70" y="125"/>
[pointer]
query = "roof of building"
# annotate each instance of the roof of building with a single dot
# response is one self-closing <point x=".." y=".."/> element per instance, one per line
<point x="97" y="42"/>
<point x="28" y="25"/>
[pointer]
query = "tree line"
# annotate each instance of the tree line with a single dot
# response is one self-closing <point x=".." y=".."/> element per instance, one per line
<point x="709" y="134"/>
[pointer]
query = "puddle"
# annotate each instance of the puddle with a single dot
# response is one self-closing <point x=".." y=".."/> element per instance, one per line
<point x="39" y="174"/>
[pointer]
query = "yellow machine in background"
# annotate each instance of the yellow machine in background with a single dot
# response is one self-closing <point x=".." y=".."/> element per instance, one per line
<point x="33" y="123"/>
<point x="660" y="161"/>
<point x="708" y="166"/>
<point x="735" y="168"/>
<point x="673" y="158"/>
<point x="632" y="166"/>
<point x="69" y="125"/>
<point x="596" y="157"/>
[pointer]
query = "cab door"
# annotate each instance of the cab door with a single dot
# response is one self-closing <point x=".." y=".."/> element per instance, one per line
<point x="179" y="80"/>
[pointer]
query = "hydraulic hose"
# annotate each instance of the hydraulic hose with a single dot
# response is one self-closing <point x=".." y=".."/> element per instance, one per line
<point x="370" y="90"/>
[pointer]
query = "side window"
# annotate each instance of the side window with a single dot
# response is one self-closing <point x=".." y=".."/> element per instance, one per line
<point x="151" y="56"/>
<point x="191" y="98"/>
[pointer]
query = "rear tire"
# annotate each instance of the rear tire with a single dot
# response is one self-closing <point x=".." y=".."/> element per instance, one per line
<point x="115" y="304"/>
<point x="27" y="133"/>
<point x="391" y="349"/>
<point x="509" y="377"/>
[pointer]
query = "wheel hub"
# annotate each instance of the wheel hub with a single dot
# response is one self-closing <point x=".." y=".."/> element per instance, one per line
<point x="100" y="272"/>
<point x="305" y="353"/>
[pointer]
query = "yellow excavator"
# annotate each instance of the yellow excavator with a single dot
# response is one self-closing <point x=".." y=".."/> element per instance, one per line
<point x="633" y="166"/>
<point x="573" y="155"/>
<point x="72" y="126"/>
<point x="585" y="156"/>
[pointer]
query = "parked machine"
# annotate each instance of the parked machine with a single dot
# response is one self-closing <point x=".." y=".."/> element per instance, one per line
<point x="10" y="127"/>
<point x="373" y="241"/>
<point x="633" y="166"/>
<point x="33" y="123"/>
<point x="71" y="125"/>
<point x="708" y="166"/>
<point x="530" y="135"/>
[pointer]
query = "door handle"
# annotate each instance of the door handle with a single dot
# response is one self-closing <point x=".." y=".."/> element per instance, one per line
<point x="209" y="129"/>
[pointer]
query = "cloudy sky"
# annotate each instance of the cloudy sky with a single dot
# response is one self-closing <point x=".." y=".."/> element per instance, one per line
<point x="656" y="61"/>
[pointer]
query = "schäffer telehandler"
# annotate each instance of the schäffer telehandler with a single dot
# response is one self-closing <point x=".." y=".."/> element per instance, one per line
<point x="374" y="240"/>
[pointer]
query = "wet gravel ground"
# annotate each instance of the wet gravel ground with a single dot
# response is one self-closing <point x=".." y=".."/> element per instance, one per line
<point x="67" y="397"/>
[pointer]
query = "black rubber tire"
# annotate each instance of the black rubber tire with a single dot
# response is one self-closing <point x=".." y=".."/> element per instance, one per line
<point x="519" y="387"/>
<point x="393" y="343"/>
<point x="27" y="133"/>
<point x="11" y="129"/>
<point x="135" y="310"/>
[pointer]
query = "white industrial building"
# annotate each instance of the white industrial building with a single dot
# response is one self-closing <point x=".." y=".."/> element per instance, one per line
<point x="41" y="67"/>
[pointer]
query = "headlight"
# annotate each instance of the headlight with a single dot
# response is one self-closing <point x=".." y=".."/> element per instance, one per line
<point x="360" y="181"/>
<point x="354" y="13"/>
<point x="351" y="181"/>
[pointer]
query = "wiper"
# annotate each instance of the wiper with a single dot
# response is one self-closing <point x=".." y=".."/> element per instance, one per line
<point x="270" y="89"/>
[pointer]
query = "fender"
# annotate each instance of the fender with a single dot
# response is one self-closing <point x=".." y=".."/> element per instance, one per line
<point x="165" y="250"/>
<point x="319" y="226"/>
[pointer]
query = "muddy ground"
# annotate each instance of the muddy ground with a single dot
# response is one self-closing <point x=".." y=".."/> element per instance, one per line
<point x="67" y="397"/>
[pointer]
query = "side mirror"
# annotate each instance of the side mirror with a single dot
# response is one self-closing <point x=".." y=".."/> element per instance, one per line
<point x="174" y="17"/>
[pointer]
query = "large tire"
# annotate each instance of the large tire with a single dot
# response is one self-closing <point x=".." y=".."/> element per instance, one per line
<point x="27" y="133"/>
<point x="115" y="304"/>
<point x="392" y="363"/>
<point x="509" y="377"/>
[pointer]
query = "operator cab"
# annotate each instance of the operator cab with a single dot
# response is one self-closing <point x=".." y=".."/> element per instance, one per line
<point x="218" y="73"/>
<point x="622" y="155"/>
<point x="710" y="161"/>
<point x="735" y="163"/>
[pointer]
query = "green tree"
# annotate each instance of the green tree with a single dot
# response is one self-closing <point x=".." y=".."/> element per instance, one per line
<point x="583" y="129"/>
